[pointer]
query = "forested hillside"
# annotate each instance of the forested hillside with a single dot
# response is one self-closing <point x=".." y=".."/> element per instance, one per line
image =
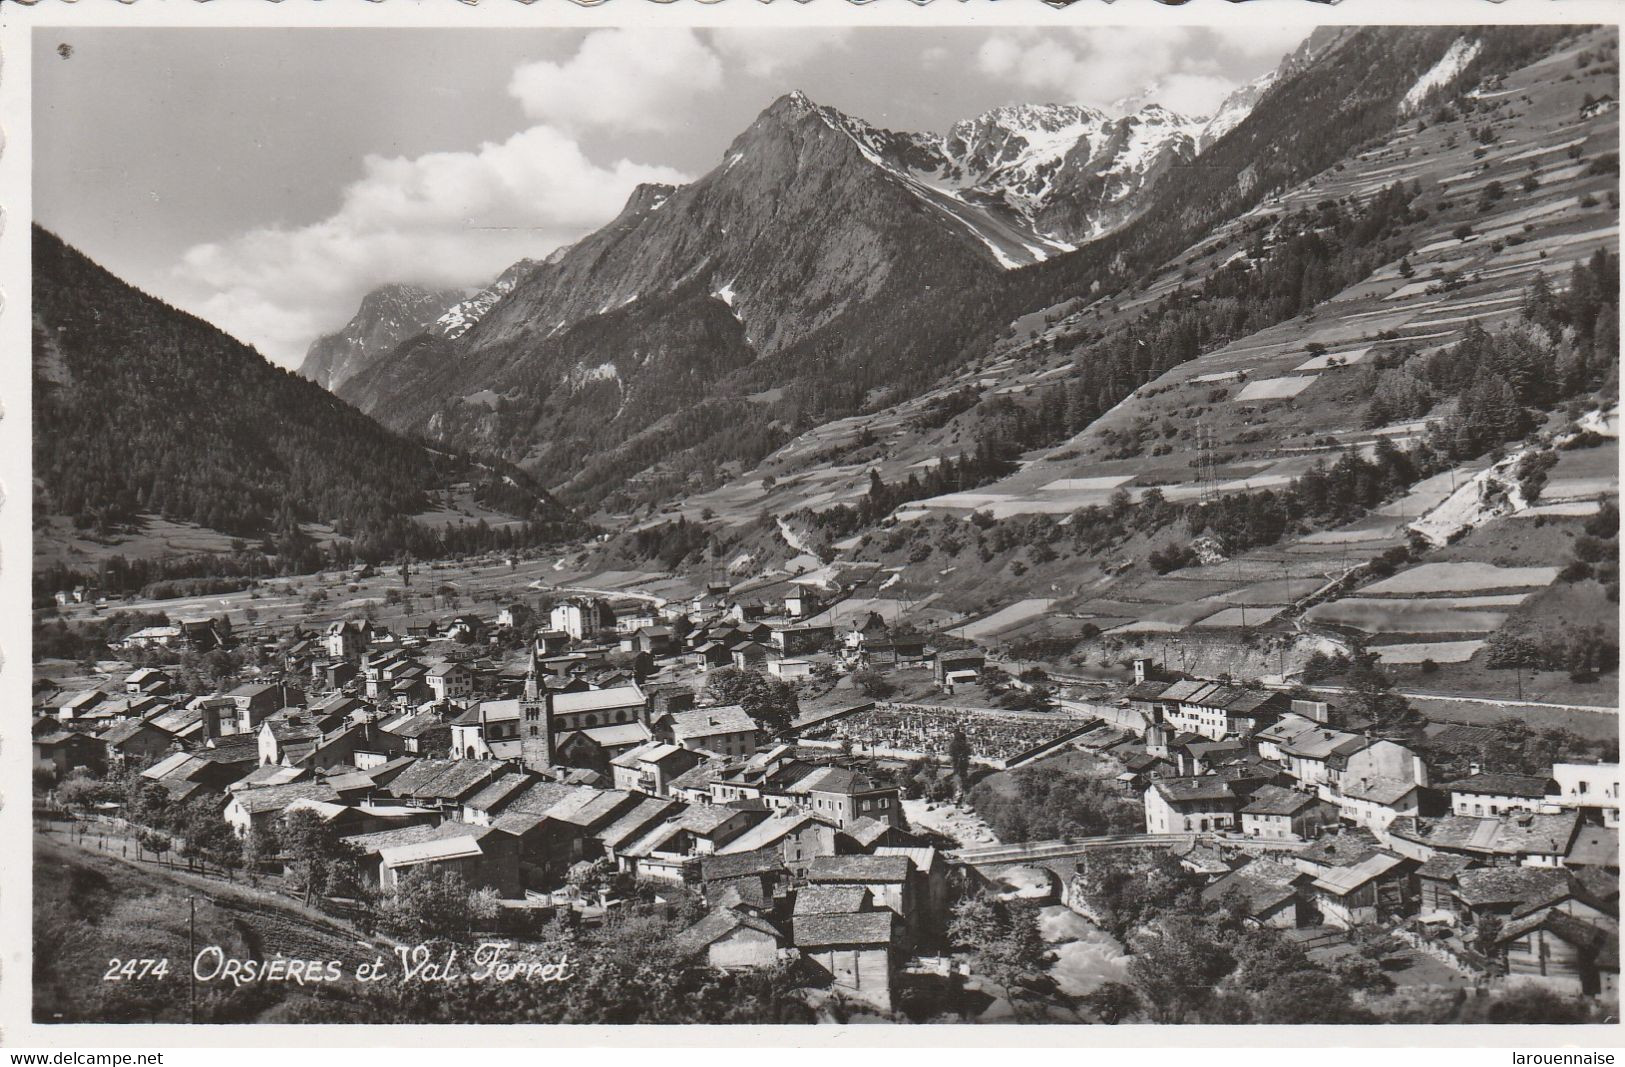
<point x="141" y="409"/>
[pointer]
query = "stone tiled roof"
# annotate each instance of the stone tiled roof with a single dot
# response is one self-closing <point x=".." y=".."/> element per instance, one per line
<point x="830" y="899"/>
<point x="1278" y="800"/>
<point x="1502" y="784"/>
<point x="719" y="923"/>
<point x="278" y="797"/>
<point x="853" y="928"/>
<point x="845" y="869"/>
<point x="1205" y="787"/>
<point x="1508" y="885"/>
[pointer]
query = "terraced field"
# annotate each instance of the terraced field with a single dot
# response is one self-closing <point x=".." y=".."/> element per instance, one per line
<point x="1520" y="190"/>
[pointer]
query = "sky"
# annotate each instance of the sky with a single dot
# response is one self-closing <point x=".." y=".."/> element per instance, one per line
<point x="267" y="179"/>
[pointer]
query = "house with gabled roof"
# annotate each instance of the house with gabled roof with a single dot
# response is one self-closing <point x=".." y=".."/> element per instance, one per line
<point x="450" y="681"/>
<point x="494" y="798"/>
<point x="856" y="949"/>
<point x="147" y="681"/>
<point x="887" y="879"/>
<point x="727" y="730"/>
<point x="490" y="729"/>
<point x="1214" y="710"/>
<point x="257" y="809"/>
<point x="421" y="733"/>
<point x="633" y="823"/>
<point x="1560" y="952"/>
<point x="1190" y="805"/>
<point x="695" y="785"/>
<point x="583" y="618"/>
<point x="1268" y="893"/>
<point x="671" y="851"/>
<point x="1311" y="757"/>
<point x="1504" y="891"/>
<point x="795" y="838"/>
<point x="256" y="701"/>
<point x="275" y="735"/>
<point x="133" y="741"/>
<point x="1376" y="802"/>
<point x="732" y="938"/>
<point x="1534" y="840"/>
<point x="67" y="750"/>
<point x="755" y="881"/>
<point x="1499" y="792"/>
<point x="77" y="705"/>
<point x="1435" y="883"/>
<point x="353" y="818"/>
<point x="596" y="747"/>
<point x="839" y="794"/>
<point x="650" y="767"/>
<point x="1277" y="813"/>
<point x="443" y="784"/>
<point x="483" y="855"/>
<point x="1367" y="891"/>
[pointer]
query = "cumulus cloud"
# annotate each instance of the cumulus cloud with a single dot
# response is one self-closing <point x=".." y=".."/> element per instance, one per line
<point x="443" y="219"/>
<point x="630" y="81"/>
<point x="762" y="52"/>
<point x="457" y="219"/>
<point x="1192" y="93"/>
<point x="1192" y="69"/>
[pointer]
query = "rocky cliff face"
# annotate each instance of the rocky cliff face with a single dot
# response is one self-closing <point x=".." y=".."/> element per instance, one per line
<point x="388" y="315"/>
<point x="1058" y="174"/>
<point x="1020" y="183"/>
<point x="461" y="316"/>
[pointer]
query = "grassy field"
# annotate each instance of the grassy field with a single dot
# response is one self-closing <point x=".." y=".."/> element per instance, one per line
<point x="90" y="909"/>
<point x="1591" y="725"/>
<point x="1067" y="761"/>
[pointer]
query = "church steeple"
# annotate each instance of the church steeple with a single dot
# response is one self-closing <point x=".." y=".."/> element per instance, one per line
<point x="532" y="683"/>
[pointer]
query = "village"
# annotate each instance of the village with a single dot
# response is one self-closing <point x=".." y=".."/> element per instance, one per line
<point x="809" y="785"/>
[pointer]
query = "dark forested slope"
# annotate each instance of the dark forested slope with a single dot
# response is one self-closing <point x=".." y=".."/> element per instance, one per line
<point x="143" y="409"/>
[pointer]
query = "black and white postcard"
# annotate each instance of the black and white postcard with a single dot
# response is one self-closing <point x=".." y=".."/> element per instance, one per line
<point x="1098" y="521"/>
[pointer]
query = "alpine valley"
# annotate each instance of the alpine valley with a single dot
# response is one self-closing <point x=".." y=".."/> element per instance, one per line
<point x="1044" y="372"/>
<point x="826" y="268"/>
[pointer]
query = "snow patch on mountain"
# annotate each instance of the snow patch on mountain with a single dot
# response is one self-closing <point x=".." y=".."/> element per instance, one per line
<point x="1455" y="60"/>
<point x="582" y="375"/>
<point x="461" y="317"/>
<point x="998" y="173"/>
<point x="1234" y="109"/>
